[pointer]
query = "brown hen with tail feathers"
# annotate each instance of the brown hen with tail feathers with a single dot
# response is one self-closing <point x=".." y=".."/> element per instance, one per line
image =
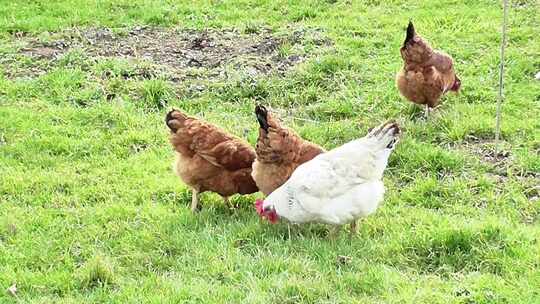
<point x="427" y="74"/>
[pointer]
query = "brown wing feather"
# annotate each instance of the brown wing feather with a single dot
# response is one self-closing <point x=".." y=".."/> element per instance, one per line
<point x="442" y="62"/>
<point x="279" y="152"/>
<point x="284" y="146"/>
<point x="194" y="136"/>
<point x="308" y="152"/>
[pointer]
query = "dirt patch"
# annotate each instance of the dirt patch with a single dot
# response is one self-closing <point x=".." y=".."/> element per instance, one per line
<point x="502" y="170"/>
<point x="499" y="159"/>
<point x="487" y="150"/>
<point x="43" y="51"/>
<point x="186" y="54"/>
<point x="187" y="51"/>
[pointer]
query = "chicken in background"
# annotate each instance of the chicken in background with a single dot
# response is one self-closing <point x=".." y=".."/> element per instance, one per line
<point x="279" y="152"/>
<point x="209" y="159"/>
<point x="427" y="74"/>
<point x="336" y="187"/>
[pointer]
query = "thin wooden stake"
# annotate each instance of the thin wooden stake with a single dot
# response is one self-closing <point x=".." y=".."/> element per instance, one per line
<point x="501" y="76"/>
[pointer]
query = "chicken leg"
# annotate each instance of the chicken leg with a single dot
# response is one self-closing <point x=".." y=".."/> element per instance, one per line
<point x="353" y="229"/>
<point x="426" y="113"/>
<point x="194" y="200"/>
<point x="289" y="230"/>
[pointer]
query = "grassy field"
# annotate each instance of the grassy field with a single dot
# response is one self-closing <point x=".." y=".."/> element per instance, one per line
<point x="90" y="211"/>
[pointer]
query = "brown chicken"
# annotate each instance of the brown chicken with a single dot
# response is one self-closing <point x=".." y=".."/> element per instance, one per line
<point x="208" y="159"/>
<point x="279" y="152"/>
<point x="427" y="74"/>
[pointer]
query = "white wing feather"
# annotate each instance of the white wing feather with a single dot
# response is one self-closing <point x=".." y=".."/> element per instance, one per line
<point x="328" y="176"/>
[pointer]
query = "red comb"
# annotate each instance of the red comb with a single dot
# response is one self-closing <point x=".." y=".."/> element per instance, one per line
<point x="272" y="217"/>
<point x="259" y="206"/>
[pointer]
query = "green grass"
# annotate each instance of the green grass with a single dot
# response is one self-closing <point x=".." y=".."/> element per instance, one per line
<point x="91" y="212"/>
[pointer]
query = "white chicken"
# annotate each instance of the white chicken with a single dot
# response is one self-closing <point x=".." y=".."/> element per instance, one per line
<point x="336" y="187"/>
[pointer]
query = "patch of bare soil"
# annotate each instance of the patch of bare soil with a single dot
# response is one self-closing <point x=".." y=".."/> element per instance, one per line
<point x="502" y="170"/>
<point x="501" y="160"/>
<point x="486" y="149"/>
<point x="45" y="51"/>
<point x="186" y="54"/>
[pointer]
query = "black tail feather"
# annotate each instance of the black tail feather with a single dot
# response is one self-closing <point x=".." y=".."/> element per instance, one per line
<point x="262" y="113"/>
<point x="410" y="33"/>
<point x="168" y="118"/>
